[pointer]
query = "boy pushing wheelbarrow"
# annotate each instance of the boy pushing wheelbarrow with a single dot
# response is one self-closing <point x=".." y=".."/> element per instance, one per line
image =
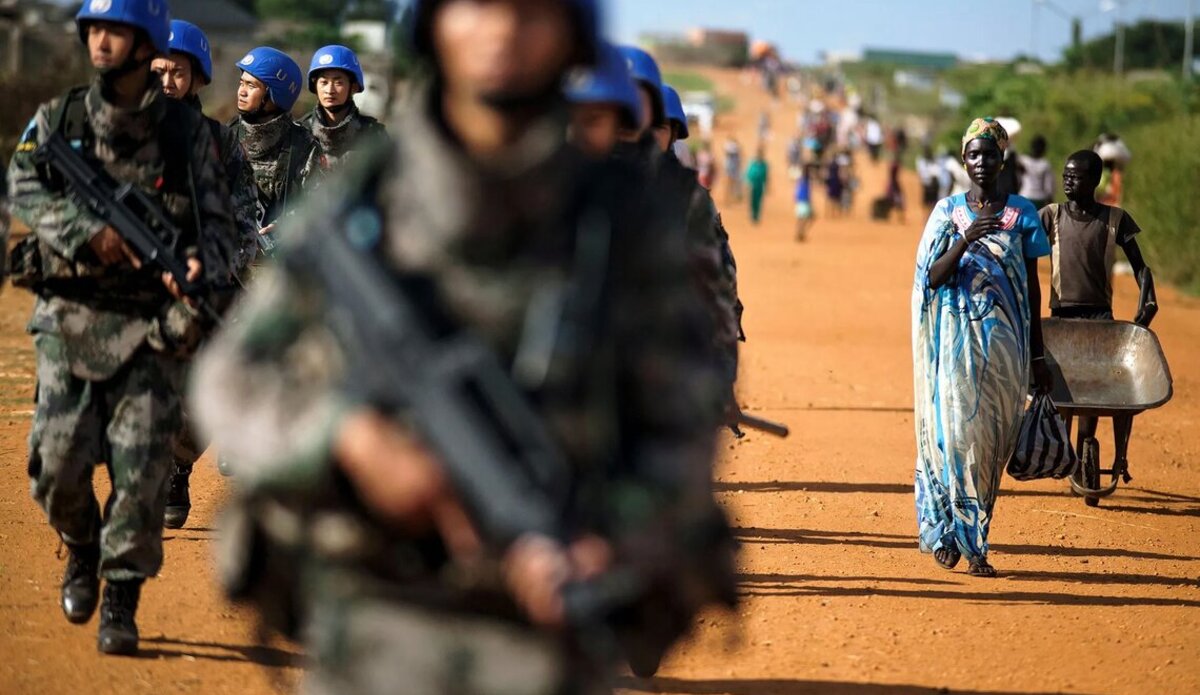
<point x="1104" y="367"/>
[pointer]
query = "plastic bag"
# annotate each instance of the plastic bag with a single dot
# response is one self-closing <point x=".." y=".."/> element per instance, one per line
<point x="1044" y="449"/>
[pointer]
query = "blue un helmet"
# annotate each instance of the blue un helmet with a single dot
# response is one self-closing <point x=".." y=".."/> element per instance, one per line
<point x="148" y="15"/>
<point x="277" y="71"/>
<point x="335" y="58"/>
<point x="644" y="70"/>
<point x="188" y="39"/>
<point x="587" y="13"/>
<point x="608" y="83"/>
<point x="675" y="113"/>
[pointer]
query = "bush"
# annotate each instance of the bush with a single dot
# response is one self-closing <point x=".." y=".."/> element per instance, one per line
<point x="1160" y="192"/>
<point x="1159" y="120"/>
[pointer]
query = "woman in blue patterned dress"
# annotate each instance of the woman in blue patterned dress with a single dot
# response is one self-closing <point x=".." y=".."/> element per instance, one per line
<point x="977" y="339"/>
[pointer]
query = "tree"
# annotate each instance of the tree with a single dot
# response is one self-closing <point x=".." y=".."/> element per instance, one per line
<point x="1149" y="45"/>
<point x="328" y="12"/>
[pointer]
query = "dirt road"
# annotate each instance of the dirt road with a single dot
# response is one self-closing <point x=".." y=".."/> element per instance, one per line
<point x="837" y="599"/>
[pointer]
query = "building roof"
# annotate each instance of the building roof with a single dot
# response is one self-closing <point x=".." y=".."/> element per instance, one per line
<point x="911" y="59"/>
<point x="214" y="15"/>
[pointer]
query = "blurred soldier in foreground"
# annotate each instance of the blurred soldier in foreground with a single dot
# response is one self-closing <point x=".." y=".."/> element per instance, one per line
<point x="184" y="72"/>
<point x="282" y="154"/>
<point x="513" y="298"/>
<point x="713" y="267"/>
<point x="111" y="341"/>
<point x="335" y="76"/>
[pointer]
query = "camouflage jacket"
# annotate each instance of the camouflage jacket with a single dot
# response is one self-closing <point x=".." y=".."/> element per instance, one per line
<point x="710" y="256"/>
<point x="104" y="314"/>
<point x="284" y="158"/>
<point x="639" y="430"/>
<point x="243" y="193"/>
<point x="338" y="142"/>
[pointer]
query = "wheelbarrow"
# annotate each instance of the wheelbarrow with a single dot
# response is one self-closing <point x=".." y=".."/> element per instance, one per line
<point x="1104" y="369"/>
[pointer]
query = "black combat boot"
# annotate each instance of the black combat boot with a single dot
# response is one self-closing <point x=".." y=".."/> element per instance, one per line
<point x="118" y="631"/>
<point x="179" y="500"/>
<point x="81" y="582"/>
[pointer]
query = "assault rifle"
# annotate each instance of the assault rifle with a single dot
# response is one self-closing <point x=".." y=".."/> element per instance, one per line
<point x="125" y="208"/>
<point x="493" y="446"/>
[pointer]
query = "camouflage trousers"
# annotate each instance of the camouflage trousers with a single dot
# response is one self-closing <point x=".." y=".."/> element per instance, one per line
<point x="188" y="448"/>
<point x="367" y="646"/>
<point x="129" y="421"/>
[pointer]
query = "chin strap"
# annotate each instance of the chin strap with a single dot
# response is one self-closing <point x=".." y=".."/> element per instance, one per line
<point x="259" y="115"/>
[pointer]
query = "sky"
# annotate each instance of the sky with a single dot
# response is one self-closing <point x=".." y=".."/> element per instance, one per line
<point x="995" y="29"/>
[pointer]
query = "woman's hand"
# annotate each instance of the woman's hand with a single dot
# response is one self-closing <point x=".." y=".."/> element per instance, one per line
<point x="981" y="227"/>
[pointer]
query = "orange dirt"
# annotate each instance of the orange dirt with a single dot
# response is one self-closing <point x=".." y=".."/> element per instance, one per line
<point x="837" y="598"/>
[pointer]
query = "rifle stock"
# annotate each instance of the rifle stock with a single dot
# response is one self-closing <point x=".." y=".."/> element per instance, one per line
<point x="741" y="419"/>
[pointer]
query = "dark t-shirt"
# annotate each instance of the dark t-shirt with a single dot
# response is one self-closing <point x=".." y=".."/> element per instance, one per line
<point x="1084" y="250"/>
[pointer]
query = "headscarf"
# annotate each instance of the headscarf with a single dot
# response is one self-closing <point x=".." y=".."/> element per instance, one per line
<point x="986" y="128"/>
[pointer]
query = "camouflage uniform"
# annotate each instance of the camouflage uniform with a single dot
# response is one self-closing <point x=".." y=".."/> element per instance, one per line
<point x="283" y="157"/>
<point x="338" y="142"/>
<point x="710" y="256"/>
<point x="4" y="221"/>
<point x="110" y="341"/>
<point x="378" y="608"/>
<point x="243" y="193"/>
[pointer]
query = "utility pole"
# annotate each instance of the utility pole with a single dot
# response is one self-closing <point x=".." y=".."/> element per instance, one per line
<point x="1189" y="35"/>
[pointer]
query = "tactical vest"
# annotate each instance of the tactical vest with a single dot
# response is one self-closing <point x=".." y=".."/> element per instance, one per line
<point x="174" y="147"/>
<point x="295" y="157"/>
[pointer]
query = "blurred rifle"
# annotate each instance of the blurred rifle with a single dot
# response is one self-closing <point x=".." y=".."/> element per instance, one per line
<point x="739" y="419"/>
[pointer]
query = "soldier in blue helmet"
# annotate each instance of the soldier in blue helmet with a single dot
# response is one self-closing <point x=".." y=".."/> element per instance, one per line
<point x="676" y="130"/>
<point x="284" y="156"/>
<point x="335" y="76"/>
<point x="712" y="260"/>
<point x="184" y="71"/>
<point x="603" y="103"/>
<point x="111" y="336"/>
<point x="488" y="219"/>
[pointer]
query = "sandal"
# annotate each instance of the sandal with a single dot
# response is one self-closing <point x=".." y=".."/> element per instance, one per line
<point x="981" y="568"/>
<point x="947" y="558"/>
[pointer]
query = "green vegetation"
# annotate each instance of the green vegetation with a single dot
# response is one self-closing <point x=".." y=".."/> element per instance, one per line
<point x="688" y="82"/>
<point x="1159" y="119"/>
<point x="1149" y="45"/>
<point x="1160" y="191"/>
<point x="684" y="81"/>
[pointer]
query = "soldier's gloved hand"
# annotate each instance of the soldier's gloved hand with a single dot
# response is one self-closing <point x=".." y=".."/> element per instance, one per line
<point x="400" y="481"/>
<point x="194" y="270"/>
<point x="111" y="249"/>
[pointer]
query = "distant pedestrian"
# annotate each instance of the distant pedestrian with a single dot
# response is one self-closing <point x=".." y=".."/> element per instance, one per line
<point x="1037" y="176"/>
<point x="795" y="151"/>
<point x="804" y="208"/>
<point x="706" y="166"/>
<point x="928" y="172"/>
<point x="733" y="170"/>
<point x="757" y="175"/>
<point x="835" y="187"/>
<point x="895" y="192"/>
<point x="873" y="136"/>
